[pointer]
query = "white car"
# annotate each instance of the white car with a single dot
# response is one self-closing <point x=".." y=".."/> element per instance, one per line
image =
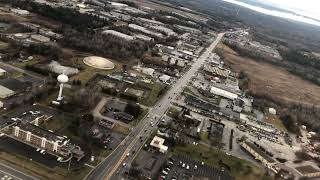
<point x="188" y="167"/>
<point x="124" y="164"/>
<point x="165" y="172"/>
<point x="183" y="165"/>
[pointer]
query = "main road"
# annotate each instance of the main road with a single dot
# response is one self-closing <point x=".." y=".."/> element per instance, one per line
<point x="109" y="166"/>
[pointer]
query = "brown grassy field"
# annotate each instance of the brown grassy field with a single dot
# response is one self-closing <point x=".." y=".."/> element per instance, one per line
<point x="275" y="82"/>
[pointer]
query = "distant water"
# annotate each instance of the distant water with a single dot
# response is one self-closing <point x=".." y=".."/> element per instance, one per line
<point x="282" y="14"/>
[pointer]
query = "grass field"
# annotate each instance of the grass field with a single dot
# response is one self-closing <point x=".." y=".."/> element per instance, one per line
<point x="272" y="81"/>
<point x="153" y="96"/>
<point x="88" y="72"/>
<point x="173" y="112"/>
<point x="35" y="60"/>
<point x="3" y="45"/>
<point x="240" y="169"/>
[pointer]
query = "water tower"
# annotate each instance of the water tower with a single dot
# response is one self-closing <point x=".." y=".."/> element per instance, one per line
<point x="62" y="79"/>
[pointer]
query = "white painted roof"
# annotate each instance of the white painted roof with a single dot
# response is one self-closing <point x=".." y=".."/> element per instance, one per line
<point x="223" y="93"/>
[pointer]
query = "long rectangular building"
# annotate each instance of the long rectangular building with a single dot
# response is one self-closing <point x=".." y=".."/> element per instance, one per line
<point x="38" y="137"/>
<point x="223" y="93"/>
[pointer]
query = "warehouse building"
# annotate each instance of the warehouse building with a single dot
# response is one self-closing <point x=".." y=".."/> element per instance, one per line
<point x="308" y="171"/>
<point x="259" y="155"/>
<point x="145" y="30"/>
<point x="223" y="93"/>
<point x="5" y="92"/>
<point x="118" y="34"/>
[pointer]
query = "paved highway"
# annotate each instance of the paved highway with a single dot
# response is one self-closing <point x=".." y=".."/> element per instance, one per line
<point x="108" y="167"/>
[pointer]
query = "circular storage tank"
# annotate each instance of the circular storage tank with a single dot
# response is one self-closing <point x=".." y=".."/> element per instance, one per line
<point x="98" y="62"/>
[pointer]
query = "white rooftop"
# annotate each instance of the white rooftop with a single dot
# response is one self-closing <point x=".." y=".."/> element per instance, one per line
<point x="158" y="142"/>
<point x="223" y="93"/>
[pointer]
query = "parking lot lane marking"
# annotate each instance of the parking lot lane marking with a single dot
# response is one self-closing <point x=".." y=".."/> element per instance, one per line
<point x="27" y="175"/>
<point x="10" y="175"/>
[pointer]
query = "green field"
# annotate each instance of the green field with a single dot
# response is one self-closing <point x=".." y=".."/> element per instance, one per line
<point x="240" y="169"/>
<point x="173" y="112"/>
<point x="154" y="95"/>
<point x="88" y="72"/>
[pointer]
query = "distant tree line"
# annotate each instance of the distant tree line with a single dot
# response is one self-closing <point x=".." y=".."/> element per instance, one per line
<point x="66" y="15"/>
<point x="295" y="62"/>
<point x="302" y="57"/>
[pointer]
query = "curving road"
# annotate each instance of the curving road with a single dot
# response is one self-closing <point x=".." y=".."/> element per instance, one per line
<point x="134" y="141"/>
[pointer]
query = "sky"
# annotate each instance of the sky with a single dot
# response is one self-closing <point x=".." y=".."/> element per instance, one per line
<point x="310" y="8"/>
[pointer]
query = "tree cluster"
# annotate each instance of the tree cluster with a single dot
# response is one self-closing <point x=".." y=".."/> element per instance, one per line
<point x="107" y="46"/>
<point x="133" y="109"/>
<point x="66" y="15"/>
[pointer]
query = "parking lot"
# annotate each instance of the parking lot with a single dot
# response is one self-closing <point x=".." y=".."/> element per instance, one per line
<point x="183" y="167"/>
<point x="5" y="176"/>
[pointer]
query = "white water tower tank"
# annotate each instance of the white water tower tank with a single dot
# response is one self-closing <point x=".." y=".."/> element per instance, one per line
<point x="62" y="78"/>
<point x="272" y="111"/>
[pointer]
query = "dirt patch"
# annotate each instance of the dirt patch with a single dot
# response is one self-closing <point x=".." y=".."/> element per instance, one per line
<point x="272" y="81"/>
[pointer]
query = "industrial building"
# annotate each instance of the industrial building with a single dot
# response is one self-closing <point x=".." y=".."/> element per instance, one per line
<point x="308" y="171"/>
<point x="162" y="29"/>
<point x="5" y="92"/>
<point x="259" y="155"/>
<point x="40" y="38"/>
<point x="145" y="30"/>
<point x="143" y="37"/>
<point x="223" y="93"/>
<point x="118" y="34"/>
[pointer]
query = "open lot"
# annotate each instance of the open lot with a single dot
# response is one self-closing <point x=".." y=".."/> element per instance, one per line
<point x="268" y="80"/>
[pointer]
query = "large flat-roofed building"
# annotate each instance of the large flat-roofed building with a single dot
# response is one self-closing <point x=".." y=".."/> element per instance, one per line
<point x="145" y="30"/>
<point x="223" y="93"/>
<point x="260" y="155"/>
<point x="308" y="171"/>
<point x="118" y="34"/>
<point x="5" y="92"/>
<point x="40" y="38"/>
<point x="38" y="137"/>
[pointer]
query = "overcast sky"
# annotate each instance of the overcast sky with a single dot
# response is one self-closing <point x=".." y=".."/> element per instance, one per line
<point x="309" y="8"/>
